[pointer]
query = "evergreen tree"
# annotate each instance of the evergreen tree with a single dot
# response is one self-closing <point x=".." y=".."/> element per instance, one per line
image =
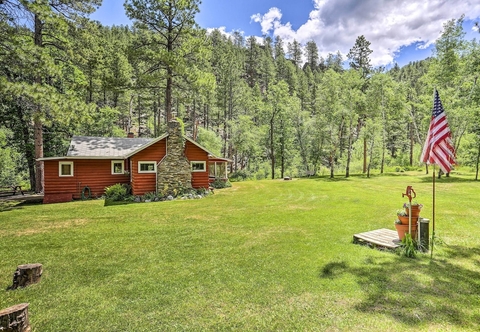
<point x="359" y="56"/>
<point x="311" y="52"/>
<point x="36" y="76"/>
<point x="170" y="41"/>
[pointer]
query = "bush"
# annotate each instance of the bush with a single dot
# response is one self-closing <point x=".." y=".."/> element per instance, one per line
<point x="220" y="184"/>
<point x="238" y="176"/>
<point x="117" y="192"/>
<point x="150" y="196"/>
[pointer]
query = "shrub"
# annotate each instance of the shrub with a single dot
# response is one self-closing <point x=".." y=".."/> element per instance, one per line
<point x="220" y="184"/>
<point x="117" y="192"/>
<point x="238" y="176"/>
<point x="408" y="247"/>
<point x="149" y="196"/>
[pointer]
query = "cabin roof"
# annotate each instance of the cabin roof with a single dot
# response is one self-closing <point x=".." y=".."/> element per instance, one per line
<point x="86" y="146"/>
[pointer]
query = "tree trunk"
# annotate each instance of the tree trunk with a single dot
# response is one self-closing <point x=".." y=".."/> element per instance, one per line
<point x="478" y="160"/>
<point x="26" y="274"/>
<point x="332" y="165"/>
<point x="15" y="318"/>
<point x="411" y="143"/>
<point x="168" y="94"/>
<point x="37" y="122"/>
<point x="139" y="113"/>
<point x="282" y="166"/>
<point x="349" y="147"/>
<point x="384" y="136"/>
<point x="38" y="134"/>
<point x="27" y="146"/>
<point x="364" y="155"/>
<point x="272" y="150"/>
<point x="371" y="156"/>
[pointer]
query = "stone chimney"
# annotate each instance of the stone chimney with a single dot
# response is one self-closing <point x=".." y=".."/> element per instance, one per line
<point x="173" y="172"/>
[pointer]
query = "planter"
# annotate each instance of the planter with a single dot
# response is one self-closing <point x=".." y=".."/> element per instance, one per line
<point x="404" y="220"/>
<point x="415" y="211"/>
<point x="402" y="229"/>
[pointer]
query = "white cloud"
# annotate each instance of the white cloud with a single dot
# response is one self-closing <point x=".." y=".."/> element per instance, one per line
<point x="269" y="21"/>
<point x="335" y="24"/>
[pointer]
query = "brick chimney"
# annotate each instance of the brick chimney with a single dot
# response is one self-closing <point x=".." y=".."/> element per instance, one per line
<point x="173" y="172"/>
<point x="130" y="135"/>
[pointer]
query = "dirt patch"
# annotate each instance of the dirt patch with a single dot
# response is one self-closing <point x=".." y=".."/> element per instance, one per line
<point x="44" y="227"/>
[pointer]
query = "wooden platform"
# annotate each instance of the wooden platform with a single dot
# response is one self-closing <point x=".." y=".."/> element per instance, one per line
<point x="28" y="197"/>
<point x="384" y="238"/>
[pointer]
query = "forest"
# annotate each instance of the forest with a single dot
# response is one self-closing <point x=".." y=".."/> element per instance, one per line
<point x="274" y="108"/>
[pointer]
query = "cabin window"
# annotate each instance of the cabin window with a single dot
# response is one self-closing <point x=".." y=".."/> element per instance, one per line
<point x="198" y="166"/>
<point x="217" y="170"/>
<point x="147" y="167"/>
<point x="65" y="168"/>
<point x="117" y="167"/>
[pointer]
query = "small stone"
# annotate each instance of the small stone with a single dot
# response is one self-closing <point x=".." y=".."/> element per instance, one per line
<point x="170" y="198"/>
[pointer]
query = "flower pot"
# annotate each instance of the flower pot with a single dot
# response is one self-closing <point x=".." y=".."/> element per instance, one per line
<point x="403" y="229"/>
<point x="415" y="210"/>
<point x="404" y="220"/>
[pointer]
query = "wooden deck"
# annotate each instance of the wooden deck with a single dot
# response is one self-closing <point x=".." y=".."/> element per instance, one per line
<point x="28" y="197"/>
<point x="383" y="238"/>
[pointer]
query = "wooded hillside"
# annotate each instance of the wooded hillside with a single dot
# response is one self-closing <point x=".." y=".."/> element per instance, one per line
<point x="275" y="109"/>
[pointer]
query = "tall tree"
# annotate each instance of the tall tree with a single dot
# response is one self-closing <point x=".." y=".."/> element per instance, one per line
<point x="311" y="52"/>
<point x="359" y="56"/>
<point x="295" y="52"/>
<point x="172" y="41"/>
<point x="42" y="58"/>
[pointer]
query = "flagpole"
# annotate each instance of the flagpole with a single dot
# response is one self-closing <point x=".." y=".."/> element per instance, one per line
<point x="433" y="213"/>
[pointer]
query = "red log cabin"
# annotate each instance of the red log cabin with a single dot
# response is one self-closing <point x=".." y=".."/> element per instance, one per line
<point x="146" y="164"/>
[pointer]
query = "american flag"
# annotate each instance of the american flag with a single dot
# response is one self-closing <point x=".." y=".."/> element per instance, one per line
<point x="438" y="148"/>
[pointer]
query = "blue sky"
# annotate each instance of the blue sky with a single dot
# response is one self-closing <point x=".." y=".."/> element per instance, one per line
<point x="399" y="30"/>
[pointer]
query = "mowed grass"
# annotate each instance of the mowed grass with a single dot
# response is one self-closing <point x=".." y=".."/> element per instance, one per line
<point x="260" y="256"/>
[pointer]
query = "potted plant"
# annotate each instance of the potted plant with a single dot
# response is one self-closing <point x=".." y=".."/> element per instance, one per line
<point x="402" y="216"/>
<point x="402" y="229"/>
<point x="415" y="208"/>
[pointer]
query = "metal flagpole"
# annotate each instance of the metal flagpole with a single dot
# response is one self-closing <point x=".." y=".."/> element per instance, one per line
<point x="433" y="213"/>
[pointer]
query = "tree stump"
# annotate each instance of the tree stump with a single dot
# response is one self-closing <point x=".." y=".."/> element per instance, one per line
<point x="15" y="319"/>
<point x="27" y="274"/>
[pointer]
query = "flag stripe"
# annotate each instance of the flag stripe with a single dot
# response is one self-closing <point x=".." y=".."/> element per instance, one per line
<point x="438" y="148"/>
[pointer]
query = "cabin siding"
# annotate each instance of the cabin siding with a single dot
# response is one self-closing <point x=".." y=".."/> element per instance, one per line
<point x="146" y="182"/>
<point x="194" y="153"/>
<point x="95" y="174"/>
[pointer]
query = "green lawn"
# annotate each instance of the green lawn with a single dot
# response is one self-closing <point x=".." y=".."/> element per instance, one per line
<point x="262" y="256"/>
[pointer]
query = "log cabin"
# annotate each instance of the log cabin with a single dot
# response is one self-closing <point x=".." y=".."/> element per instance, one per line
<point x="171" y="161"/>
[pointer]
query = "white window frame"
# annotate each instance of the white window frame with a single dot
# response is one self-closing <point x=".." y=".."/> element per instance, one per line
<point x="147" y="162"/>
<point x="198" y="162"/>
<point x="113" y="167"/>
<point x="60" y="164"/>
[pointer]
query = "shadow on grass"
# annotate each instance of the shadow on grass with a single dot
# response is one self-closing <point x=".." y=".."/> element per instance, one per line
<point x="416" y="292"/>
<point x="10" y="205"/>
<point x="340" y="177"/>
<point x="116" y="203"/>
<point x="450" y="179"/>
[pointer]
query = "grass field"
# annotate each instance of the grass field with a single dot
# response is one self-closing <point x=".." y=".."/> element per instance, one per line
<point x="260" y="256"/>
